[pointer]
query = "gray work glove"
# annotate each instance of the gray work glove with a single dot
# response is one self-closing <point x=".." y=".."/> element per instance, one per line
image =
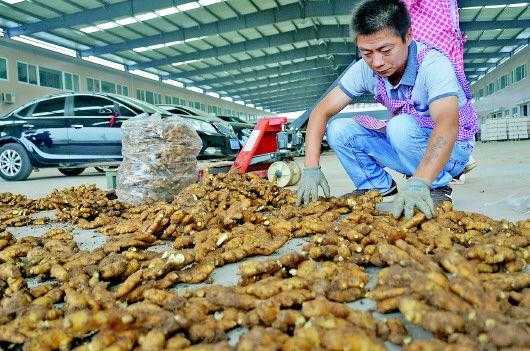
<point x="312" y="178"/>
<point x="415" y="193"/>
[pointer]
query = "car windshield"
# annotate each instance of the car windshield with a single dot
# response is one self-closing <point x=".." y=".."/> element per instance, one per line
<point x="142" y="105"/>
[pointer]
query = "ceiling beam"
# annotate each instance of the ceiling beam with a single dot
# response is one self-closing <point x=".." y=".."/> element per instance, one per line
<point x="280" y="95"/>
<point x="298" y="10"/>
<point x="294" y="98"/>
<point x="477" y="3"/>
<point x="283" y="88"/>
<point x="494" y="42"/>
<point x="483" y="55"/>
<point x="105" y="13"/>
<point x="284" y="56"/>
<point x="340" y="63"/>
<point x="291" y="37"/>
<point x="310" y="33"/>
<point x="488" y="25"/>
<point x="284" y="13"/>
<point x="271" y="84"/>
<point x="479" y="65"/>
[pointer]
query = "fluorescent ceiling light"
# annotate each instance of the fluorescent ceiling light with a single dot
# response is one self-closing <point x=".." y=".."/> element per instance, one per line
<point x="209" y="2"/>
<point x="164" y="45"/>
<point x="103" y="62"/>
<point x="45" y="45"/>
<point x="195" y="89"/>
<point x="176" y="64"/>
<point x="144" y="74"/>
<point x="173" y="82"/>
<point x="521" y="4"/>
<point x="143" y="16"/>
<point x="167" y="11"/>
<point x="90" y="29"/>
<point x="213" y="94"/>
<point x="146" y="16"/>
<point x="12" y="2"/>
<point x="126" y="21"/>
<point x="189" y="6"/>
<point x="107" y="25"/>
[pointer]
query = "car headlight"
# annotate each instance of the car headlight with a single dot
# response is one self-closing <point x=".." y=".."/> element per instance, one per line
<point x="225" y="129"/>
<point x="202" y="126"/>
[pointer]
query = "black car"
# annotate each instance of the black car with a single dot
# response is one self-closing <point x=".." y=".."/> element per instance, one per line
<point x="241" y="127"/>
<point x="207" y="123"/>
<point x="73" y="131"/>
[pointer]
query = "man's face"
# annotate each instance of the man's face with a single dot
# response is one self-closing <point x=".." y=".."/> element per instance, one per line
<point x="385" y="52"/>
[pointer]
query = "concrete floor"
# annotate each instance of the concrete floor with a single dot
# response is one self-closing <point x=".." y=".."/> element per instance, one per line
<point x="498" y="187"/>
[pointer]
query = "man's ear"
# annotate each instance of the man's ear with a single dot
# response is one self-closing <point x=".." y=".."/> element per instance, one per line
<point x="408" y="37"/>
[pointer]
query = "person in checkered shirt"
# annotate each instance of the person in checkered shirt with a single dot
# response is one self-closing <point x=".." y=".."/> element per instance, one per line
<point x="430" y="135"/>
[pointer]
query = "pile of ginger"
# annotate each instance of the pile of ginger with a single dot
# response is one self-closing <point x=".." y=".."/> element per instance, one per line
<point x="461" y="276"/>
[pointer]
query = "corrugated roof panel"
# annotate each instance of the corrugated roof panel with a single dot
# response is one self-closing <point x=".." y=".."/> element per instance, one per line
<point x="107" y="37"/>
<point x="489" y="13"/>
<point x="243" y="6"/>
<point x="34" y="8"/>
<point x="60" y="6"/>
<point x="490" y="34"/>
<point x="143" y="28"/>
<point x="509" y="33"/>
<point x="163" y="24"/>
<point x="268" y="30"/>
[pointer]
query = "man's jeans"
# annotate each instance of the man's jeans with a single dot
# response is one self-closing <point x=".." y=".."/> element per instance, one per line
<point x="364" y="152"/>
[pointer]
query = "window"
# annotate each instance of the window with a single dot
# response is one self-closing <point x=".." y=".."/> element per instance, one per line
<point x="504" y="81"/>
<point x="158" y="99"/>
<point x="122" y="90"/>
<point x="481" y="93"/>
<point x="520" y="73"/>
<point x="3" y="68"/>
<point x="93" y="85"/>
<point x="86" y="105"/>
<point x="50" y="108"/>
<point x="175" y="100"/>
<point x="491" y="88"/>
<point x="197" y="105"/>
<point x="108" y="87"/>
<point x="50" y="78"/>
<point x="140" y="94"/>
<point x="167" y="100"/>
<point x="27" y="73"/>
<point x="150" y="97"/>
<point x="515" y="111"/>
<point x="524" y="110"/>
<point x="71" y="82"/>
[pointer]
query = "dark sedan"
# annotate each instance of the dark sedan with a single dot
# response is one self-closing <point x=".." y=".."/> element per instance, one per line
<point x="73" y="131"/>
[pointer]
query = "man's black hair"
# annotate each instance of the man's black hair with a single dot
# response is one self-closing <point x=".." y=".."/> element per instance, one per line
<point x="371" y="16"/>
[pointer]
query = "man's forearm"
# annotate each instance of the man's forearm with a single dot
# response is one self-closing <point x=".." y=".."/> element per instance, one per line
<point x="438" y="151"/>
<point x="313" y="139"/>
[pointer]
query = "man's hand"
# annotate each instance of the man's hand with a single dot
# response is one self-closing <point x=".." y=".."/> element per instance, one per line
<point x="416" y="193"/>
<point x="312" y="178"/>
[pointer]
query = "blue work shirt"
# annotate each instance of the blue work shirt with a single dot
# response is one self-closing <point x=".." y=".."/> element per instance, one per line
<point x="434" y="79"/>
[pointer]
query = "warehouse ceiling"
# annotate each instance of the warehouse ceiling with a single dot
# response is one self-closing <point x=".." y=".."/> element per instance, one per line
<point x="280" y="55"/>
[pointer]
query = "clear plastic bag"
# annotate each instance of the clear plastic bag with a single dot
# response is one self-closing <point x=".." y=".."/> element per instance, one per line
<point x="159" y="158"/>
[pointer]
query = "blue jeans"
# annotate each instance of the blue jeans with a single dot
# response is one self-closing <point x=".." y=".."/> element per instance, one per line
<point x="364" y="152"/>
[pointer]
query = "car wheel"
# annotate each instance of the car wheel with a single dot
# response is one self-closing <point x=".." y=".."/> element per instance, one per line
<point x="14" y="162"/>
<point x="71" y="171"/>
<point x="102" y="170"/>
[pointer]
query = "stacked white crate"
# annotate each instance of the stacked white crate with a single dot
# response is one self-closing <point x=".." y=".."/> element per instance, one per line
<point x="518" y="128"/>
<point x="494" y="129"/>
